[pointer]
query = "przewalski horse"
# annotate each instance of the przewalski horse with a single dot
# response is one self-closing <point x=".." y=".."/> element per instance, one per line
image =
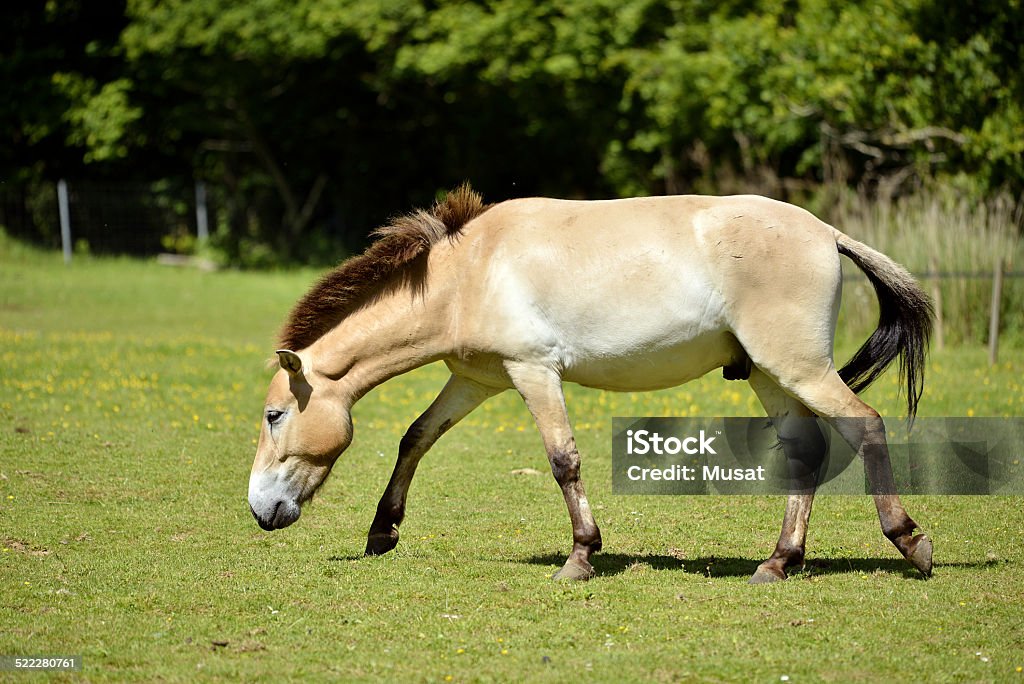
<point x="627" y="295"/>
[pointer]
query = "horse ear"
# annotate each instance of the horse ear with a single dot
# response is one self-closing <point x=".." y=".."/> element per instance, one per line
<point x="290" y="361"/>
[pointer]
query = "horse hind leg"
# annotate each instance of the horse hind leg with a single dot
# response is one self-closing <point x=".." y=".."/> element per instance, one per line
<point x="897" y="525"/>
<point x="804" y="446"/>
<point x="861" y="426"/>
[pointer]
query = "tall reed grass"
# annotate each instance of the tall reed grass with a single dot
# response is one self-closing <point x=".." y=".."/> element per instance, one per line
<point x="953" y="245"/>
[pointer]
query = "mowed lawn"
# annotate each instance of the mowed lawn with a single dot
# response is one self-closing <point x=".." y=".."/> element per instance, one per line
<point x="130" y="399"/>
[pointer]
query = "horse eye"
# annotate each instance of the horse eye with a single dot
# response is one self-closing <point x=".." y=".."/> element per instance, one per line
<point x="274" y="416"/>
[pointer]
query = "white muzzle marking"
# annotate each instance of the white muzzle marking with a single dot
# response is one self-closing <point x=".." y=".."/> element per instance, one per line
<point x="271" y="502"/>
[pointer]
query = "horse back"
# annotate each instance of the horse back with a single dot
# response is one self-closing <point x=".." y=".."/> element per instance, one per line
<point x="624" y="284"/>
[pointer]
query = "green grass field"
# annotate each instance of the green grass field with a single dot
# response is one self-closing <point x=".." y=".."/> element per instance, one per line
<point x="130" y="399"/>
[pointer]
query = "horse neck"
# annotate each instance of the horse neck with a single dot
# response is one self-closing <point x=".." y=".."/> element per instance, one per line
<point x="397" y="332"/>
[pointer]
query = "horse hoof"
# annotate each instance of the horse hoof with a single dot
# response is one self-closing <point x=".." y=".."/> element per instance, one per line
<point x="765" y="575"/>
<point x="377" y="544"/>
<point x="921" y="554"/>
<point x="574" y="571"/>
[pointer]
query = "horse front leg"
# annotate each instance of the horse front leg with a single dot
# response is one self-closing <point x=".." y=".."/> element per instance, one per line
<point x="541" y="389"/>
<point x="458" y="398"/>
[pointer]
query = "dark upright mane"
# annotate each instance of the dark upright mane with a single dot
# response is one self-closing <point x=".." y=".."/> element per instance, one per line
<point x="339" y="292"/>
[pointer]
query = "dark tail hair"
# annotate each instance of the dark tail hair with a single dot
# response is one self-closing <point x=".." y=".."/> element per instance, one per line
<point x="904" y="324"/>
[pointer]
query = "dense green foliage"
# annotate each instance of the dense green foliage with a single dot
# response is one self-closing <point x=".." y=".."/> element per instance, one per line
<point x="313" y="120"/>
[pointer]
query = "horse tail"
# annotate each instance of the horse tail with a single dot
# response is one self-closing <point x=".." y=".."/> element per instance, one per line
<point x="904" y="324"/>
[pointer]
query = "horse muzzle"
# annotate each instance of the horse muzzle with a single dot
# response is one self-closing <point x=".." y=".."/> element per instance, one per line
<point x="283" y="514"/>
<point x="271" y="506"/>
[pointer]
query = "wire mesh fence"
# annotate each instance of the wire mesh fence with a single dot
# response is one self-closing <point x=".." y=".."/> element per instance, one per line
<point x="104" y="217"/>
<point x="237" y="225"/>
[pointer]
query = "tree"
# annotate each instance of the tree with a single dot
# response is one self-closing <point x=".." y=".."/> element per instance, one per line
<point x="63" y="96"/>
<point x="314" y="120"/>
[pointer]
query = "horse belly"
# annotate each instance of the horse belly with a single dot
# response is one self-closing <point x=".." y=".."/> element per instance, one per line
<point x="654" y="368"/>
<point x="661" y="326"/>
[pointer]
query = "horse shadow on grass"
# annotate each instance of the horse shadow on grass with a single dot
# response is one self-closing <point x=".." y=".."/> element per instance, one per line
<point x="610" y="564"/>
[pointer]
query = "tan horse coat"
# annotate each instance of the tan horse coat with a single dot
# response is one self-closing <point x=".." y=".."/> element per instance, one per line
<point x="632" y="294"/>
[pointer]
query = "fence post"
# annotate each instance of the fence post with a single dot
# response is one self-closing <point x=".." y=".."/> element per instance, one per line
<point x="65" y="219"/>
<point x="993" y="320"/>
<point x="940" y="330"/>
<point x="202" y="220"/>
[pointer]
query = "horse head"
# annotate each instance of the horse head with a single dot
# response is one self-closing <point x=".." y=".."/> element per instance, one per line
<point x="306" y="426"/>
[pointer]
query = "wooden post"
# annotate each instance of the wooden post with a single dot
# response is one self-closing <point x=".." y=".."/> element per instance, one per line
<point x="202" y="222"/>
<point x="940" y="330"/>
<point x="64" y="210"/>
<point x="993" y="319"/>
